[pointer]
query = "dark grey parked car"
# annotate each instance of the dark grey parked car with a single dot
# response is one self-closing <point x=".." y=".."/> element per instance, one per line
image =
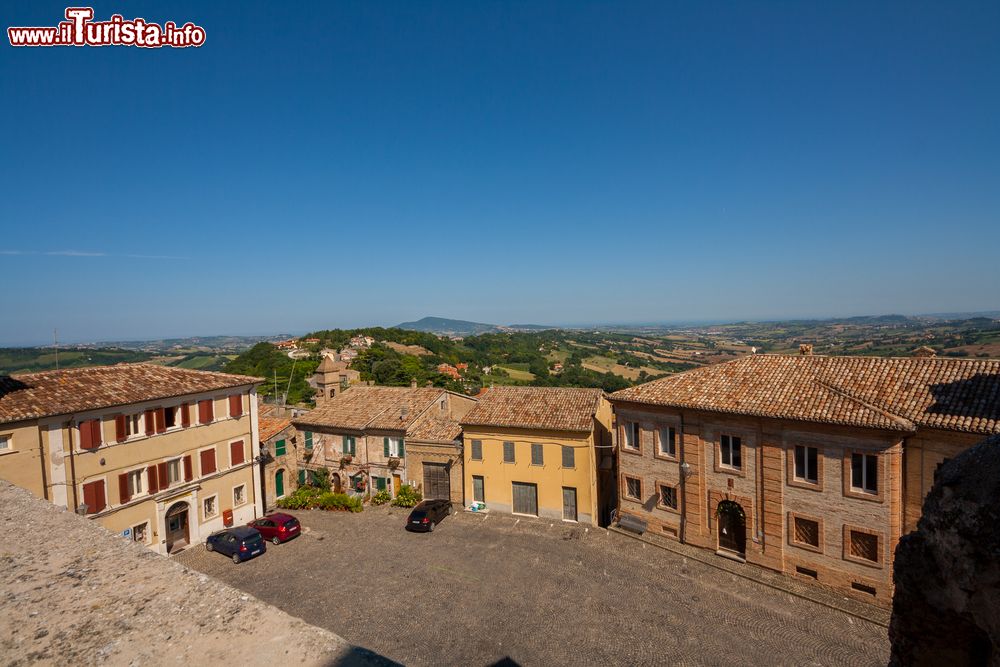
<point x="427" y="514"/>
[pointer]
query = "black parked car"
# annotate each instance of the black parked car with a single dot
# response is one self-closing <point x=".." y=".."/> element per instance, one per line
<point x="428" y="513"/>
<point x="240" y="543"/>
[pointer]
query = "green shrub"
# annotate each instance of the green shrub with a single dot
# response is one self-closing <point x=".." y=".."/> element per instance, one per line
<point x="407" y="497"/>
<point x="381" y="498"/>
<point x="320" y="479"/>
<point x="303" y="498"/>
<point x="339" y="502"/>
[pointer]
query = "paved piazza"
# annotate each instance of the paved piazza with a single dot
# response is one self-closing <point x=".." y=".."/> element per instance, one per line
<point x="480" y="589"/>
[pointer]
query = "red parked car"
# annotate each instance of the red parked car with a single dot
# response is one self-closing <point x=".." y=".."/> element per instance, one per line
<point x="277" y="527"/>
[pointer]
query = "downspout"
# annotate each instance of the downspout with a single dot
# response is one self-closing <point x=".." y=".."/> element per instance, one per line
<point x="683" y="533"/>
<point x="759" y="472"/>
<point x="72" y="465"/>
<point x="42" y="464"/>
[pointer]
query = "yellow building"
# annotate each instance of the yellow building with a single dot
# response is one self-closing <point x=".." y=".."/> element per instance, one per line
<point x="540" y="451"/>
<point x="164" y="456"/>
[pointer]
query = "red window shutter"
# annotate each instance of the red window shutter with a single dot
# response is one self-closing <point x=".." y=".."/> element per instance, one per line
<point x="86" y="436"/>
<point x="161" y="475"/>
<point x="205" y="411"/>
<point x="120" y="434"/>
<point x="236" y="405"/>
<point x="185" y="415"/>
<point x="88" y="497"/>
<point x="236" y="452"/>
<point x="96" y="434"/>
<point x="123" y="495"/>
<point x="207" y="462"/>
<point x="188" y="469"/>
<point x="151" y="479"/>
<point x="161" y="420"/>
<point x="150" y="418"/>
<point x="93" y="496"/>
<point x="99" y="493"/>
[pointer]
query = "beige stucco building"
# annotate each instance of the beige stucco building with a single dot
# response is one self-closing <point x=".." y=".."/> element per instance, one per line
<point x="163" y="456"/>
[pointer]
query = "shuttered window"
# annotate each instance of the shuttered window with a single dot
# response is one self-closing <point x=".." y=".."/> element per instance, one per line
<point x="150" y="419"/>
<point x="236" y="405"/>
<point x="349" y="446"/>
<point x="477" y="450"/>
<point x="207" y="457"/>
<point x="94" y="497"/>
<point x="537" y="454"/>
<point x="188" y="469"/>
<point x="525" y="498"/>
<point x="90" y="434"/>
<point x="153" y="478"/>
<point x="309" y="440"/>
<point x="302" y="476"/>
<point x="185" y="415"/>
<point x="568" y="457"/>
<point x="236" y="453"/>
<point x="206" y="411"/>
<point x="121" y="428"/>
<point x="123" y="491"/>
<point x="508" y="452"/>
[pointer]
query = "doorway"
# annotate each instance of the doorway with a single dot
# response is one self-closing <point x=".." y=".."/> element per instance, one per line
<point x="397" y="483"/>
<point x="279" y="484"/>
<point x="732" y="527"/>
<point x="569" y="503"/>
<point x="177" y="533"/>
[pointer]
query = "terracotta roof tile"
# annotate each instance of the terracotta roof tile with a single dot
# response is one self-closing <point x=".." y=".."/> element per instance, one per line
<point x="430" y="427"/>
<point x="889" y="393"/>
<point x="553" y="408"/>
<point x="268" y="427"/>
<point x="364" y="407"/>
<point x="33" y="395"/>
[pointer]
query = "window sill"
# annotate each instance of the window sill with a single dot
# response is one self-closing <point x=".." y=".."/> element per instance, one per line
<point x="5" y="452"/>
<point x="805" y="484"/>
<point x="630" y="450"/>
<point x="665" y="457"/>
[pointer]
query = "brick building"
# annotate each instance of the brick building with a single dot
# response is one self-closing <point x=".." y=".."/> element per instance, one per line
<point x="279" y="444"/>
<point x="813" y="466"/>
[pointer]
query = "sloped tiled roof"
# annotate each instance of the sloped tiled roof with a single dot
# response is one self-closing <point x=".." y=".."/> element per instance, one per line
<point x="33" y="395"/>
<point x="550" y="408"/>
<point x="364" y="407"/>
<point x="268" y="427"/>
<point x="431" y="427"/>
<point x="888" y="393"/>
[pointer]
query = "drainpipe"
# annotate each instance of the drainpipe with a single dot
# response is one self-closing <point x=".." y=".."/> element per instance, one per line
<point x="759" y="470"/>
<point x="72" y="465"/>
<point x="684" y="470"/>
<point x="42" y="462"/>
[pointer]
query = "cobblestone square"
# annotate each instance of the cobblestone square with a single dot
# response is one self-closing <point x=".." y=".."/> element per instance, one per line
<point x="483" y="588"/>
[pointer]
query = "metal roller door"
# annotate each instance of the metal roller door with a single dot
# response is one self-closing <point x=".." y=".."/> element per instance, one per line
<point x="437" y="483"/>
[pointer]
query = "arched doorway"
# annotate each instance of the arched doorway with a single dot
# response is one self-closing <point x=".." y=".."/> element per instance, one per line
<point x="337" y="484"/>
<point x="732" y="522"/>
<point x="279" y="484"/>
<point x="176" y="531"/>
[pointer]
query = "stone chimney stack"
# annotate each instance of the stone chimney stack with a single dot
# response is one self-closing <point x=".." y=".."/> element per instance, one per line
<point x="413" y="383"/>
<point x="806" y="349"/>
<point x="925" y="352"/>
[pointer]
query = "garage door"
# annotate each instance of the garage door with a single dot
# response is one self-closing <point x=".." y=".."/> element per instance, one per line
<point x="525" y="498"/>
<point x="437" y="483"/>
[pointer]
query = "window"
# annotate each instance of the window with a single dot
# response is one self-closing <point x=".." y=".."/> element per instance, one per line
<point x="170" y="417"/>
<point x="392" y="447"/>
<point x="309" y="440"/>
<point x="206" y="411"/>
<point x="90" y="434"/>
<point x="730" y="454"/>
<point x="207" y="457"/>
<point x="279" y="448"/>
<point x="633" y="488"/>
<point x="805" y="531"/>
<point x="537" y="455"/>
<point x="140" y="533"/>
<point x="806" y="461"/>
<point x="349" y="447"/>
<point x="173" y="471"/>
<point x="668" y="496"/>
<point x="4" y="443"/>
<point x="240" y="495"/>
<point x="236" y="406"/>
<point x="134" y="483"/>
<point x="477" y="450"/>
<point x="864" y="546"/>
<point x="478" y="489"/>
<point x="302" y="476"/>
<point x="508" y="452"/>
<point x="236" y="453"/>
<point x="668" y="442"/>
<point x="210" y="507"/>
<point x="568" y="457"/>
<point x="94" y="496"/>
<point x="632" y="435"/>
<point x="132" y="425"/>
<point x="864" y="473"/>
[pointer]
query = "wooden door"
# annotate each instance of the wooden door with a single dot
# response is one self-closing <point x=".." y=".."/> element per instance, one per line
<point x="732" y="527"/>
<point x="525" y="498"/>
<point x="478" y="489"/>
<point x="279" y="484"/>
<point x="397" y="482"/>
<point x="436" y="481"/>
<point x="569" y="503"/>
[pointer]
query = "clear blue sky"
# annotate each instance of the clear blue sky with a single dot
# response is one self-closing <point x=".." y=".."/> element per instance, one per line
<point x="350" y="163"/>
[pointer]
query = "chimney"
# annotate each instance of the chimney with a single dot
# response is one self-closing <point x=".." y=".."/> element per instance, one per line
<point x="413" y="383"/>
<point x="925" y="352"/>
<point x="806" y="349"/>
<point x="403" y="411"/>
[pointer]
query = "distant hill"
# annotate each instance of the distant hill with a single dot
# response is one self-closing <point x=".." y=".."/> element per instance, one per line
<point x="442" y="325"/>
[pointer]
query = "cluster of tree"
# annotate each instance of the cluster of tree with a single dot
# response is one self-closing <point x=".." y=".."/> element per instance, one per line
<point x="280" y="373"/>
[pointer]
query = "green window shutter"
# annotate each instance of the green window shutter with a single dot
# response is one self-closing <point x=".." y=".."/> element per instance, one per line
<point x="354" y="445"/>
<point x="385" y="446"/>
<point x="309" y="440"/>
<point x="279" y="448"/>
<point x="302" y="477"/>
<point x="402" y="453"/>
<point x="380" y="483"/>
<point x="347" y="444"/>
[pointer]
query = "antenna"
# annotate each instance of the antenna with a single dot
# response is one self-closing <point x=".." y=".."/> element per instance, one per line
<point x="55" y="344"/>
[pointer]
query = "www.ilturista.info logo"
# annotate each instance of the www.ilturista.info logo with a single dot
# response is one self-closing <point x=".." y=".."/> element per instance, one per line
<point x="79" y="29"/>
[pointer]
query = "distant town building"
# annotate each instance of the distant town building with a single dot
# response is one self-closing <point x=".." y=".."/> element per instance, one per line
<point x="161" y="455"/>
<point x="312" y="341"/>
<point x="449" y="370"/>
<point x="361" y="342"/>
<point x="286" y="344"/>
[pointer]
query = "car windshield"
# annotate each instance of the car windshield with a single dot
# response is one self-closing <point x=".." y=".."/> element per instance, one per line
<point x="418" y="514"/>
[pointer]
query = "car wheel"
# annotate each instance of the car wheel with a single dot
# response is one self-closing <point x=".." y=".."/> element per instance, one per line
<point x="209" y="546"/>
<point x="236" y="558"/>
<point x="430" y="528"/>
<point x="275" y="541"/>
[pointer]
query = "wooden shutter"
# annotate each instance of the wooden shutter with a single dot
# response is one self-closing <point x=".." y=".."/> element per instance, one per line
<point x="236" y="452"/>
<point x="151" y="479"/>
<point x="161" y="420"/>
<point x="207" y="462"/>
<point x="236" y="405"/>
<point x="162" y="476"/>
<point x="188" y="469"/>
<point x="123" y="494"/>
<point x="150" y="422"/>
<point x="385" y="446"/>
<point x="97" y="434"/>
<point x="86" y="437"/>
<point x="185" y="415"/>
<point x="401" y="452"/>
<point x="93" y="496"/>
<point x="101" y="500"/>
<point x="121" y="434"/>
